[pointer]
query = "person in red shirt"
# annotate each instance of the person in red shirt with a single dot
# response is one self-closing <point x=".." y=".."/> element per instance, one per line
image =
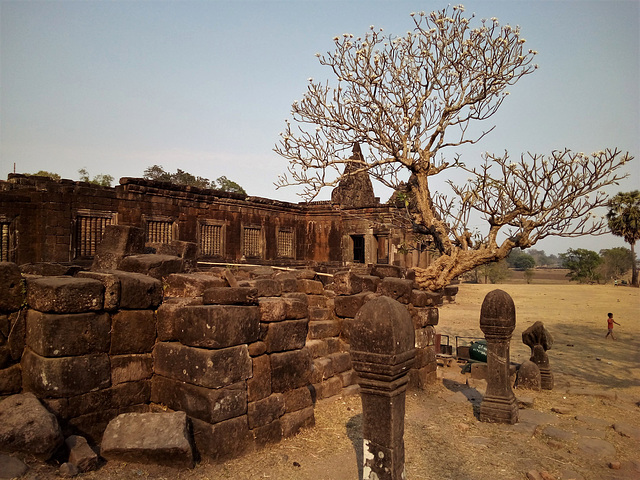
<point x="610" y="322"/>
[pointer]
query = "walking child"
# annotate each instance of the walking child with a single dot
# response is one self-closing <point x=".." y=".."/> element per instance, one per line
<point x="610" y="322"/>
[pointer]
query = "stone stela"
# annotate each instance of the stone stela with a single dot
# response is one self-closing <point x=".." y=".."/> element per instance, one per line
<point x="497" y="322"/>
<point x="383" y="351"/>
<point x="539" y="340"/>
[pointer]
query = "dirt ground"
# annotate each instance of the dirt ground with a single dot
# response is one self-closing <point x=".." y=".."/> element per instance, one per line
<point x="444" y="439"/>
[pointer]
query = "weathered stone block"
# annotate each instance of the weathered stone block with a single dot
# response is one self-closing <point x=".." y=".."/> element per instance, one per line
<point x="348" y="378"/>
<point x="295" y="308"/>
<point x="425" y="356"/>
<point x="114" y="398"/>
<point x="419" y="298"/>
<point x="266" y="287"/>
<point x="288" y="281"/>
<point x="421" y="377"/>
<point x="65" y="294"/>
<point x="321" y="369"/>
<point x="382" y="271"/>
<point x="267" y="410"/>
<point x="293" y="422"/>
<point x="133" y="331"/>
<point x="328" y="388"/>
<point x="286" y="335"/>
<point x="347" y="283"/>
<point x="81" y="455"/>
<point x="65" y="376"/>
<point x="269" y="433"/>
<point x="10" y="380"/>
<point x="259" y="385"/>
<point x="324" y="329"/>
<point x="317" y="314"/>
<point x="424" y="316"/>
<point x="223" y="440"/>
<point x="158" y="438"/>
<point x="112" y="288"/>
<point x="317" y="348"/>
<point x="216" y="326"/>
<point x="131" y="368"/>
<point x="190" y="284"/>
<point x="207" y="404"/>
<point x="27" y="427"/>
<point x="165" y="325"/>
<point x="117" y="241"/>
<point x="11" y="287"/>
<point x="397" y="288"/>
<point x="63" y="335"/>
<point x="272" y="309"/>
<point x="425" y="337"/>
<point x="310" y="287"/>
<point x="335" y="344"/>
<point x="297" y="399"/>
<point x="320" y="301"/>
<point x="257" y="348"/>
<point x="348" y="306"/>
<point x="290" y="370"/>
<point x="138" y="292"/>
<point x="230" y="296"/>
<point x="198" y="366"/>
<point x="341" y="361"/>
<point x="92" y="425"/>
<point x="156" y="266"/>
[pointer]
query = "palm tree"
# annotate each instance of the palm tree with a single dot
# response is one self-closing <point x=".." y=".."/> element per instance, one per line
<point x="624" y="221"/>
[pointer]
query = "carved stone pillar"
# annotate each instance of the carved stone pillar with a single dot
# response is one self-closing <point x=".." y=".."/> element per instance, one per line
<point x="382" y="352"/>
<point x="497" y="321"/>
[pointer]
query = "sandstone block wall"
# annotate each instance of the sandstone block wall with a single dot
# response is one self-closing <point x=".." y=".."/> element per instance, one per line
<point x="246" y="355"/>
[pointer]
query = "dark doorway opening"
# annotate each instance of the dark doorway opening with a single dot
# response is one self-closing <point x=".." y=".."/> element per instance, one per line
<point x="358" y="248"/>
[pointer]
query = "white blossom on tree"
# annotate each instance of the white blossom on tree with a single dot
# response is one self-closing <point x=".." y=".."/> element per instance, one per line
<point x="410" y="98"/>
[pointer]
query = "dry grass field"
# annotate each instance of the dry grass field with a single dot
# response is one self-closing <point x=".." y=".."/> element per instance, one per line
<point x="444" y="439"/>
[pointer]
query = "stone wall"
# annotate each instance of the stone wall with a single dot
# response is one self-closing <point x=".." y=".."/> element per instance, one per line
<point x="44" y="220"/>
<point x="245" y="354"/>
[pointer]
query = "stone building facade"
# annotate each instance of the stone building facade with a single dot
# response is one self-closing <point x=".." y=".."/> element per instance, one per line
<point x="45" y="220"/>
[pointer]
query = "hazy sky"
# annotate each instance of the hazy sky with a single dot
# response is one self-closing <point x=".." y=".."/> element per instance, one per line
<point x="205" y="86"/>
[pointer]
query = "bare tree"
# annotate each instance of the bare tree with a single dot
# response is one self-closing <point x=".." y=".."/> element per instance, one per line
<point x="407" y="99"/>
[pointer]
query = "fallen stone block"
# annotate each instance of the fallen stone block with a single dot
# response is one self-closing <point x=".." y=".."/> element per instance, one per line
<point x="112" y="288"/>
<point x="266" y="287"/>
<point x="81" y="454"/>
<point x="117" y="241"/>
<point x="138" y="291"/>
<point x="65" y="294"/>
<point x="11" y="467"/>
<point x="383" y="270"/>
<point x="156" y="438"/>
<point x="27" y="428"/>
<point x="310" y="287"/>
<point x="348" y="306"/>
<point x="156" y="266"/>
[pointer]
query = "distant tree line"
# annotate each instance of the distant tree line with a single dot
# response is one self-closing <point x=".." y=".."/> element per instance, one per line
<point x="180" y="177"/>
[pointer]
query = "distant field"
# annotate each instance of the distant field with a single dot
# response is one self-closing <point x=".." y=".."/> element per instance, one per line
<point x="541" y="276"/>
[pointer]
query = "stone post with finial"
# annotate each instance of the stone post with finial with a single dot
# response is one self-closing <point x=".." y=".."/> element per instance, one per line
<point x="497" y="322"/>
<point x="382" y="352"/>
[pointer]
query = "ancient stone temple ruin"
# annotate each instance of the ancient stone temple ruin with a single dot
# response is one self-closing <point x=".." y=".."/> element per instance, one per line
<point x="44" y="220"/>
